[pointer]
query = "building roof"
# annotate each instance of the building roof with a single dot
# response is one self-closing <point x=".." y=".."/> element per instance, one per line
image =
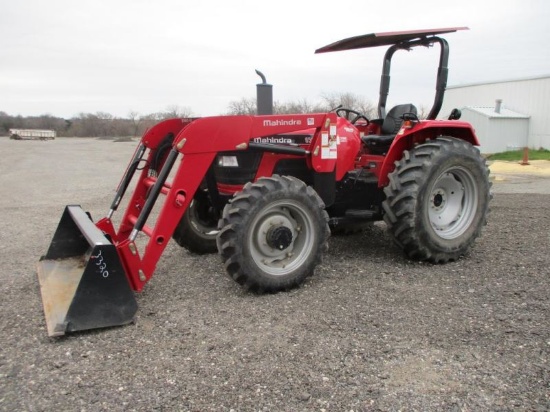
<point x="490" y="112"/>
<point x="521" y="79"/>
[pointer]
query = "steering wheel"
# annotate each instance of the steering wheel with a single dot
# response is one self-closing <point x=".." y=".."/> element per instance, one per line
<point x="347" y="114"/>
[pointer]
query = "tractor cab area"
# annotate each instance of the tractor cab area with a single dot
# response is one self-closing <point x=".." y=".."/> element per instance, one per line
<point x="378" y="134"/>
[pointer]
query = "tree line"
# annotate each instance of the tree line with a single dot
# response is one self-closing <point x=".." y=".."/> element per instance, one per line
<point x="101" y="124"/>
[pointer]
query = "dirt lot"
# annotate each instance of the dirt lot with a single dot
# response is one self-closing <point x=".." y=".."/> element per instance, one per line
<point x="370" y="331"/>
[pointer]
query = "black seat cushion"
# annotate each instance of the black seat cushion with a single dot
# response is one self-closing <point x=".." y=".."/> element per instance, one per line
<point x="379" y="143"/>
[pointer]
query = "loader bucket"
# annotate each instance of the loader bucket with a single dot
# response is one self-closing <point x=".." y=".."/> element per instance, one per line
<point x="82" y="280"/>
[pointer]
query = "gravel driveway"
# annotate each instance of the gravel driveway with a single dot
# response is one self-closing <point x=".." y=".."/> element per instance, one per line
<point x="370" y="331"/>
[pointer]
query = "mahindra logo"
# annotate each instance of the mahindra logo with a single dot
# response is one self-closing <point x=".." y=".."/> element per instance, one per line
<point x="272" y="139"/>
<point x="280" y="122"/>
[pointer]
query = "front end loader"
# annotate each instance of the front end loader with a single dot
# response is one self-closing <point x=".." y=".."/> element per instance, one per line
<point x="90" y="270"/>
<point x="266" y="191"/>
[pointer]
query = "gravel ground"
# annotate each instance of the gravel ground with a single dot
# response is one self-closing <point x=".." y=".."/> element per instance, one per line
<point x="370" y="331"/>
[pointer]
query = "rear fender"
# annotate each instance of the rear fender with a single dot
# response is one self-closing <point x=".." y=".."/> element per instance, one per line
<point x="421" y="132"/>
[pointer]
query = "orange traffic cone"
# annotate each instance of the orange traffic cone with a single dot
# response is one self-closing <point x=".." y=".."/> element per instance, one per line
<point x="525" y="160"/>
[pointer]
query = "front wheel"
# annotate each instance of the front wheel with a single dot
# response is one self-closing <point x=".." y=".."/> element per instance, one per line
<point x="437" y="199"/>
<point x="198" y="227"/>
<point x="273" y="233"/>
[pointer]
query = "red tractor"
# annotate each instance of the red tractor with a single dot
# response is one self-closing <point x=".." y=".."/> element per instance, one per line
<point x="266" y="191"/>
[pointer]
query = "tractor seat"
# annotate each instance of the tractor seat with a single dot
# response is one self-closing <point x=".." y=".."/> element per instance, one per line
<point x="380" y="143"/>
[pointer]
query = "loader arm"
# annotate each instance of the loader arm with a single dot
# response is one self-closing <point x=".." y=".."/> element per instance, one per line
<point x="196" y="146"/>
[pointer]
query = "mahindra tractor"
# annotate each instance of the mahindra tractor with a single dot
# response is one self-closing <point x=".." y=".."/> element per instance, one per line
<point x="265" y="192"/>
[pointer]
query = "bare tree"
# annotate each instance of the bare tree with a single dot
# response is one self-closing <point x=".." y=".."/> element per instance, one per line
<point x="149" y="120"/>
<point x="105" y="124"/>
<point x="245" y="106"/>
<point x="423" y="111"/>
<point x="6" y="122"/>
<point x="175" y="111"/>
<point x="136" y="120"/>
<point x="300" y="106"/>
<point x="47" y="121"/>
<point x="350" y="101"/>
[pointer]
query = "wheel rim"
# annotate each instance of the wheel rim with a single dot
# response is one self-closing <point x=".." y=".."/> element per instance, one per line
<point x="202" y="219"/>
<point x="453" y="202"/>
<point x="282" y="237"/>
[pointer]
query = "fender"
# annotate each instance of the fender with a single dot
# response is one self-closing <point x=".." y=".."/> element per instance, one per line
<point x="408" y="138"/>
<point x="154" y="136"/>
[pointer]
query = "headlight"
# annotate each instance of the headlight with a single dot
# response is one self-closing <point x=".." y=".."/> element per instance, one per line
<point x="228" y="161"/>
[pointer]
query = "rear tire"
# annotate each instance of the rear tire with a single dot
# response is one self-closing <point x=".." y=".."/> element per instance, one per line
<point x="273" y="233"/>
<point x="437" y="199"/>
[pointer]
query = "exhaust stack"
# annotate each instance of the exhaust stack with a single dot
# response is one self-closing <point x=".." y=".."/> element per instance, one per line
<point x="264" y="96"/>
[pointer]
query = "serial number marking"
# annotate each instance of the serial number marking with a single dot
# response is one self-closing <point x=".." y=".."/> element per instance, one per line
<point x="101" y="264"/>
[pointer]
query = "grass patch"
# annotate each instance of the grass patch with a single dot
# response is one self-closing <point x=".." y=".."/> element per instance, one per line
<point x="516" y="155"/>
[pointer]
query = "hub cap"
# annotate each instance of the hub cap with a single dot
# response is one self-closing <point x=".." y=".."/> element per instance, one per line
<point x="279" y="237"/>
<point x="452" y="203"/>
<point x="282" y="237"/>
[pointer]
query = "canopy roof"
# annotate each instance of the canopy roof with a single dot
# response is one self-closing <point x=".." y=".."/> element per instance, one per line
<point x="384" y="39"/>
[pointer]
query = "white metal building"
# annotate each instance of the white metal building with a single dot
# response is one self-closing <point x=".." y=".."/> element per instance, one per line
<point x="529" y="97"/>
<point x="498" y="129"/>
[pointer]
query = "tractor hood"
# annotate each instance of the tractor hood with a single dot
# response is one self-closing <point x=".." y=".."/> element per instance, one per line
<point x="384" y="39"/>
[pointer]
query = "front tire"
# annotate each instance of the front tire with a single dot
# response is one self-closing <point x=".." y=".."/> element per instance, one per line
<point x="437" y="199"/>
<point x="273" y="233"/>
<point x="198" y="228"/>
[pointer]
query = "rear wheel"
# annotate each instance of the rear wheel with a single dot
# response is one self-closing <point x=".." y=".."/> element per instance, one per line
<point x="437" y="199"/>
<point x="273" y="233"/>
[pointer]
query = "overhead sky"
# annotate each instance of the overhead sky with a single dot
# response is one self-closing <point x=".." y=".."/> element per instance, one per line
<point x="65" y="57"/>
